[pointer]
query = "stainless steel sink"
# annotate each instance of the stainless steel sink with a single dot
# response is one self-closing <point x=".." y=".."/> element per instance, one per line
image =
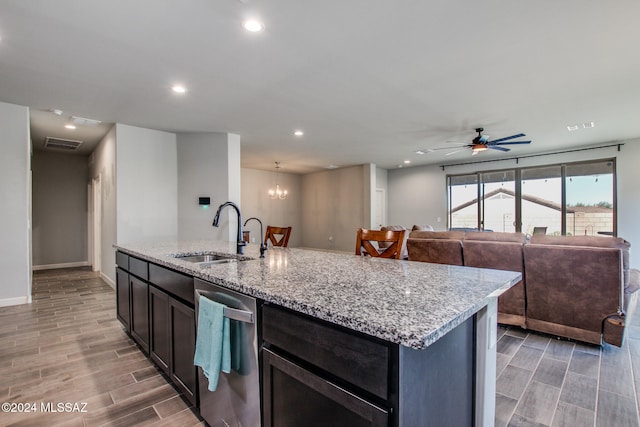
<point x="207" y="259"/>
<point x="203" y="258"/>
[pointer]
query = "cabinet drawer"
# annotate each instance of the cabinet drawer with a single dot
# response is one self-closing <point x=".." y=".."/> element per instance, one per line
<point x="177" y="284"/>
<point x="293" y="396"/>
<point x="353" y="358"/>
<point x="139" y="268"/>
<point x="122" y="260"/>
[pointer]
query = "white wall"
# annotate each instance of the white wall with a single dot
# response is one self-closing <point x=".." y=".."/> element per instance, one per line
<point x="417" y="195"/>
<point x="208" y="165"/>
<point x="627" y="164"/>
<point x="59" y="229"/>
<point x="333" y="208"/>
<point x="102" y="163"/>
<point x="281" y="213"/>
<point x="15" y="190"/>
<point x="146" y="179"/>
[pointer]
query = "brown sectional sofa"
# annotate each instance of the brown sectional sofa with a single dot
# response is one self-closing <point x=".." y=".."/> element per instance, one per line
<point x="575" y="287"/>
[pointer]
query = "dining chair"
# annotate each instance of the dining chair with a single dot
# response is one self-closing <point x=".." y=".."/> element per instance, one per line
<point x="278" y="236"/>
<point x="394" y="238"/>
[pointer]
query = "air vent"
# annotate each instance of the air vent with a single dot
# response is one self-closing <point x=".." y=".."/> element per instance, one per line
<point x="61" y="144"/>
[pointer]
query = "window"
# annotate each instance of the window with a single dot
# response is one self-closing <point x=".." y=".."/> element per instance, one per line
<point x="542" y="200"/>
<point x="573" y="199"/>
<point x="463" y="201"/>
<point x="590" y="199"/>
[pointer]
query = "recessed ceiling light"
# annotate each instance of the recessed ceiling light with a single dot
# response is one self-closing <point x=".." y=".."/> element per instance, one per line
<point x="70" y="126"/>
<point x="179" y="89"/>
<point x="421" y="152"/>
<point x="253" y="25"/>
<point x="571" y="128"/>
<point x="332" y="167"/>
<point x="298" y="133"/>
<point x="588" y="125"/>
<point x="399" y="166"/>
<point x="406" y="162"/>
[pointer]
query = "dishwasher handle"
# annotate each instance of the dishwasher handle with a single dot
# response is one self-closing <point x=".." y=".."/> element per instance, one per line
<point x="231" y="313"/>
<point x="239" y="315"/>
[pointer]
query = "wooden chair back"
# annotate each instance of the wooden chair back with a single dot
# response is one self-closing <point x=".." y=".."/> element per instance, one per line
<point x="394" y="239"/>
<point x="278" y="236"/>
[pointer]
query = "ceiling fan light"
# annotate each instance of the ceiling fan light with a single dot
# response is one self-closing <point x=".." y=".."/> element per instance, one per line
<point x="479" y="147"/>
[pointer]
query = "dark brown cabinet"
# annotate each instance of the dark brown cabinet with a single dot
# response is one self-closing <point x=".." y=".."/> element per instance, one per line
<point x="156" y="307"/>
<point x="122" y="298"/>
<point x="173" y="328"/>
<point x="160" y="338"/>
<point x="317" y="375"/>
<point x="182" y="325"/>
<point x="139" y="311"/>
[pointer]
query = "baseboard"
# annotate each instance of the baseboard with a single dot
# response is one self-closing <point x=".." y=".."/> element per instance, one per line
<point x="107" y="279"/>
<point x="5" y="302"/>
<point x="63" y="265"/>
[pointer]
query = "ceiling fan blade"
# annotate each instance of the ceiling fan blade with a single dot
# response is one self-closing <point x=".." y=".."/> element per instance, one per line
<point x="511" y="143"/>
<point x="454" y="152"/>
<point x="507" y="137"/>
<point x="445" y="148"/>
<point x="497" y="147"/>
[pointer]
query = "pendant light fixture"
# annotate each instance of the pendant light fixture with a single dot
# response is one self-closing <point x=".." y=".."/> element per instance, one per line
<point x="278" y="193"/>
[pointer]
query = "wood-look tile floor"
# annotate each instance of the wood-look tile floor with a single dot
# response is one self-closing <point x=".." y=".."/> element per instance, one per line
<point x="67" y="347"/>
<point x="546" y="381"/>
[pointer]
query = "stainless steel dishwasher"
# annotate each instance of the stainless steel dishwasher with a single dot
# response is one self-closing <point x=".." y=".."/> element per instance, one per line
<point x="236" y="401"/>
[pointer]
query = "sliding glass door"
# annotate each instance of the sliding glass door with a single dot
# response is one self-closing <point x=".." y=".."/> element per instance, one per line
<point x="573" y="199"/>
<point x="498" y="195"/>
<point x="541" y="200"/>
<point x="590" y="199"/>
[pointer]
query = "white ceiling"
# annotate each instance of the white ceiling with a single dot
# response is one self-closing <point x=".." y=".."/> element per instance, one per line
<point x="367" y="81"/>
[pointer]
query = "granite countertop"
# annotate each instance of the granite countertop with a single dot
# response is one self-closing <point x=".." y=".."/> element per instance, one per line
<point x="405" y="302"/>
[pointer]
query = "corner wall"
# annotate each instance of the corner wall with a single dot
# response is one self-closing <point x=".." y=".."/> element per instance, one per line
<point x="208" y="165"/>
<point x="15" y="193"/>
<point x="102" y="164"/>
<point x="146" y="179"/>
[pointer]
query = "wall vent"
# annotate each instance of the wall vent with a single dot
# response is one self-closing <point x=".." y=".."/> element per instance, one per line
<point x="61" y="144"/>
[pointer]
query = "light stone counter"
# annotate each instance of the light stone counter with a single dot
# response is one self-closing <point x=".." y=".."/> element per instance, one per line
<point x="405" y="302"/>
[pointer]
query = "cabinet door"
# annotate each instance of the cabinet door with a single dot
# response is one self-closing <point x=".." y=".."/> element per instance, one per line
<point x="139" y="312"/>
<point x="122" y="298"/>
<point x="294" y="396"/>
<point x="159" y="335"/>
<point x="183" y="339"/>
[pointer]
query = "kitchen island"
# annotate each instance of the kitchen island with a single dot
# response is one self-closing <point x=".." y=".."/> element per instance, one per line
<point x="435" y="326"/>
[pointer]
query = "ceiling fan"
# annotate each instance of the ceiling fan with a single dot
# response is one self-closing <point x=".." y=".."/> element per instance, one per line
<point x="481" y="143"/>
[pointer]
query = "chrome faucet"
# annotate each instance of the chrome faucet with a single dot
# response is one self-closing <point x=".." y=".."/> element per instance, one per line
<point x="263" y="245"/>
<point x="240" y="244"/>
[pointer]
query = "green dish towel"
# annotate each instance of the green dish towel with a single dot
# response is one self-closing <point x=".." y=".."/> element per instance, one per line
<point x="213" y="347"/>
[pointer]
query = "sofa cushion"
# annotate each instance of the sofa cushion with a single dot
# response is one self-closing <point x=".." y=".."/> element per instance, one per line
<point x="593" y="242"/>
<point x="571" y="290"/>
<point x="439" y="251"/>
<point x="424" y="234"/>
<point x="495" y="237"/>
<point x="501" y="255"/>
